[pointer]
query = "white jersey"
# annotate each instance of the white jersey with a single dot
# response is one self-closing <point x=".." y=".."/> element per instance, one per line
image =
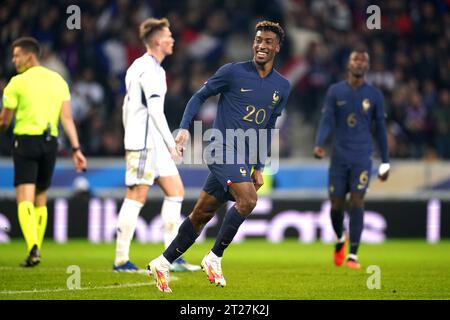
<point x="143" y="108"/>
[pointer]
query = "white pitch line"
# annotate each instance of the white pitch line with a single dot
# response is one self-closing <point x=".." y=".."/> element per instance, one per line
<point x="56" y="269"/>
<point x="120" y="286"/>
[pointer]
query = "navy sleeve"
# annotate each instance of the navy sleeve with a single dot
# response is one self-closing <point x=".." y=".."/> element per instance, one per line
<point x="193" y="106"/>
<point x="327" y="119"/>
<point x="380" y="127"/>
<point x="216" y="84"/>
<point x="271" y="125"/>
<point x="220" y="81"/>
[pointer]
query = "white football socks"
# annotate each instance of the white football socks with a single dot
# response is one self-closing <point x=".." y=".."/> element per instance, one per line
<point x="126" y="225"/>
<point x="170" y="214"/>
<point x="352" y="256"/>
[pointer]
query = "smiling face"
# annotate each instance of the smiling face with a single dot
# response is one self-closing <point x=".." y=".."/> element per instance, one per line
<point x="265" y="46"/>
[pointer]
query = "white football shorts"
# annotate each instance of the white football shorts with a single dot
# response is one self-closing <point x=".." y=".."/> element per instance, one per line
<point x="144" y="166"/>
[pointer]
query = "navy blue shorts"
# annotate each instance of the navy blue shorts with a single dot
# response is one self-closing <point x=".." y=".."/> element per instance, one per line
<point x="222" y="176"/>
<point x="344" y="177"/>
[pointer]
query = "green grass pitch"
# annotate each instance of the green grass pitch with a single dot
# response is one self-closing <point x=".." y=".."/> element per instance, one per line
<point x="254" y="270"/>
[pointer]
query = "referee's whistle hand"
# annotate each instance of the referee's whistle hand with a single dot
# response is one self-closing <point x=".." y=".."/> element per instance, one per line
<point x="79" y="161"/>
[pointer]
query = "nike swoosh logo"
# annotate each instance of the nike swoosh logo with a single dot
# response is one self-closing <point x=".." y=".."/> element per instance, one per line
<point x="178" y="250"/>
<point x="341" y="103"/>
<point x="246" y="90"/>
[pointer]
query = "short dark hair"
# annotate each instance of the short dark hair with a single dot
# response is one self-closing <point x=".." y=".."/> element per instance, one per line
<point x="271" y="26"/>
<point x="150" y="26"/>
<point x="28" y="44"/>
<point x="360" y="50"/>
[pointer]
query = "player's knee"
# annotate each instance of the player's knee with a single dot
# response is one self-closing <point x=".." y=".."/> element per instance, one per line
<point x="137" y="193"/>
<point x="356" y="205"/>
<point x="337" y="207"/>
<point x="176" y="192"/>
<point x="245" y="206"/>
<point x="201" y="216"/>
<point x="337" y="204"/>
<point x="357" y="201"/>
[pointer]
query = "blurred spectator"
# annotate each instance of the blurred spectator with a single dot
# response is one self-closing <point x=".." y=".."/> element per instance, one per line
<point x="89" y="89"/>
<point x="52" y="61"/>
<point x="415" y="124"/>
<point x="441" y="118"/>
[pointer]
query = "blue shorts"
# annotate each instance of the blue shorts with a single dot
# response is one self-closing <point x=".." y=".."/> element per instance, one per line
<point x="222" y="176"/>
<point x="344" y="177"/>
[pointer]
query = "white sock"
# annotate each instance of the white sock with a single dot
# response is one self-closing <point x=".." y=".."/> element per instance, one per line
<point x="353" y="256"/>
<point x="126" y="225"/>
<point x="164" y="260"/>
<point x="171" y="216"/>
<point x="212" y="255"/>
<point x="342" y="239"/>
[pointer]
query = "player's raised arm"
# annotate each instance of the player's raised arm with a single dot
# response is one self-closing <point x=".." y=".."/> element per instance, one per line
<point x="193" y="106"/>
<point x="216" y="84"/>
<point x="325" y="125"/>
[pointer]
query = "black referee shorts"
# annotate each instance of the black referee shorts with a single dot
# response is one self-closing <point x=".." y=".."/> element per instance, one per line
<point x="34" y="160"/>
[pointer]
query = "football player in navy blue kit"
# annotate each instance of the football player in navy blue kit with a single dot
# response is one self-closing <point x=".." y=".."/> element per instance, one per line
<point x="352" y="107"/>
<point x="252" y="96"/>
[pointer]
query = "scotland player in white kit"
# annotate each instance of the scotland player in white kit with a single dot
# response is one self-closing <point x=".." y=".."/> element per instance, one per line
<point x="149" y="145"/>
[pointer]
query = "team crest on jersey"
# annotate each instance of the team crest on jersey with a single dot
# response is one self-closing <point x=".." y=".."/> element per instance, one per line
<point x="366" y="105"/>
<point x="243" y="171"/>
<point x="363" y="180"/>
<point x="275" y="99"/>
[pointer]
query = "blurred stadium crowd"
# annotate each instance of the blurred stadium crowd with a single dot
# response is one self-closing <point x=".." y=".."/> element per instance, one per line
<point x="410" y="60"/>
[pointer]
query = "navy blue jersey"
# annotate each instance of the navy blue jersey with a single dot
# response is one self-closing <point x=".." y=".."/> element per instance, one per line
<point x="246" y="101"/>
<point x="353" y="112"/>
